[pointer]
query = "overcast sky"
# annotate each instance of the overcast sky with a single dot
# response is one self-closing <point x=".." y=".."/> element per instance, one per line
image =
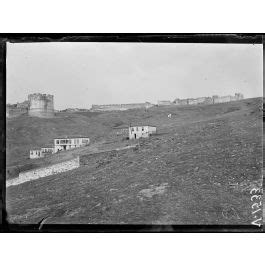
<point x="81" y="74"/>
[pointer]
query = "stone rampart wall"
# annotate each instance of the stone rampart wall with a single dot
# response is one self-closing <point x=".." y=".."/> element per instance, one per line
<point x="112" y="107"/>
<point x="44" y="172"/>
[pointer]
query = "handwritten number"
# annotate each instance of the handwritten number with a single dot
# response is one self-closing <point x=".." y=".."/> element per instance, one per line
<point x="259" y="209"/>
<point x="258" y="197"/>
<point x="256" y="204"/>
<point x="255" y="189"/>
<point x="255" y="222"/>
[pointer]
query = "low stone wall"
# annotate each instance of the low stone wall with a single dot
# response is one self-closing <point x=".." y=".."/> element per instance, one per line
<point x="44" y="172"/>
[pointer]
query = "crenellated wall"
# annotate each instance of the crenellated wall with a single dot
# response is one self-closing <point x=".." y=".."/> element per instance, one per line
<point x="112" y="107"/>
<point x="208" y="100"/>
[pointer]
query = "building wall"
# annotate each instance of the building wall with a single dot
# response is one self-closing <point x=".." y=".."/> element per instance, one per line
<point x="181" y="101"/>
<point x="222" y="99"/>
<point x="208" y="100"/>
<point x="119" y="132"/>
<point x="137" y="132"/>
<point x="239" y="96"/>
<point x="192" y="101"/>
<point x="34" y="154"/>
<point x="120" y="107"/>
<point x="69" y="143"/>
<point x="201" y="100"/>
<point x="44" y="172"/>
<point x="12" y="111"/>
<point x="47" y="151"/>
<point x="151" y="129"/>
<point x="41" y="105"/>
<point x="108" y="107"/>
<point x="23" y="105"/>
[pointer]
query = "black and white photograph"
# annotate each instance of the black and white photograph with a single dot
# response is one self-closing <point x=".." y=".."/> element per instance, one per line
<point x="134" y="133"/>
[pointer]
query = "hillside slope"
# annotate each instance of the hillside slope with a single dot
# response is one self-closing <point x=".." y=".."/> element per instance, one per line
<point x="24" y="133"/>
<point x="198" y="169"/>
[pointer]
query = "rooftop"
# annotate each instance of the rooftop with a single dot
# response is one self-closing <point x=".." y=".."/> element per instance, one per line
<point x="47" y="146"/>
<point x="141" y="125"/>
<point x="39" y="148"/>
<point x="70" y="137"/>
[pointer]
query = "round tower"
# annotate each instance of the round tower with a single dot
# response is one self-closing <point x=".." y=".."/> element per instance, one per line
<point x="41" y="105"/>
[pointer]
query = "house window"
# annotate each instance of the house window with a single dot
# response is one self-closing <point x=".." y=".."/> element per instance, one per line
<point x="57" y="141"/>
<point x="137" y="129"/>
<point x="132" y="129"/>
<point x="84" y="141"/>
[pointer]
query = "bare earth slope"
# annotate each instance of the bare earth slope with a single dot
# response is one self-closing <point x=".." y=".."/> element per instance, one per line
<point x="199" y="169"/>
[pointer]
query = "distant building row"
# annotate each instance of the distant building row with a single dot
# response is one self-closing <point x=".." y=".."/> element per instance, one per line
<point x="188" y="101"/>
<point x="203" y="100"/>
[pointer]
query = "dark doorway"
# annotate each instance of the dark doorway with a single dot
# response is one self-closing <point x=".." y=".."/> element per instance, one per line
<point x="135" y="136"/>
<point x="64" y="147"/>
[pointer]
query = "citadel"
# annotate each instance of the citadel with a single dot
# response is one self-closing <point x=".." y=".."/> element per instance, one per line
<point x="42" y="105"/>
<point x="188" y="101"/>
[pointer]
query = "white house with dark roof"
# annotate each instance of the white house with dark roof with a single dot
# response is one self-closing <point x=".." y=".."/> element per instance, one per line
<point x="139" y="131"/>
<point x="70" y="142"/>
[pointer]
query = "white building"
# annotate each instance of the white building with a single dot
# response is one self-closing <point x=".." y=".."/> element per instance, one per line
<point x="37" y="153"/>
<point x="66" y="143"/>
<point x="136" y="132"/>
<point x="47" y="150"/>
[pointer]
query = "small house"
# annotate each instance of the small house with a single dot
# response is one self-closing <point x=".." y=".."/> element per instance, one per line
<point x="136" y="132"/>
<point x="36" y="153"/>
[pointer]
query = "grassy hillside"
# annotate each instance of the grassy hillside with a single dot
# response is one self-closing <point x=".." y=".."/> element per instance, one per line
<point x="198" y="169"/>
<point x="25" y="133"/>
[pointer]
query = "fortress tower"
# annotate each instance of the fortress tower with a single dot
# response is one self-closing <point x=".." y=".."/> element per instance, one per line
<point x="41" y="105"/>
